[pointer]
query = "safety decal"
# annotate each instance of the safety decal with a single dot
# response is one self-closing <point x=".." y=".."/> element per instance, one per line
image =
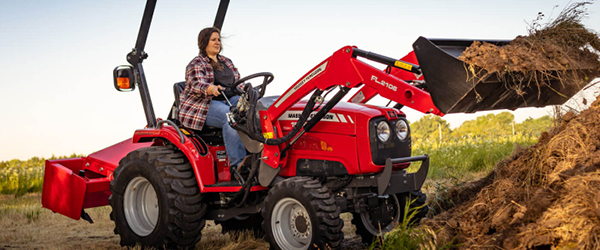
<point x="268" y="135"/>
<point x="403" y="65"/>
<point x="221" y="155"/>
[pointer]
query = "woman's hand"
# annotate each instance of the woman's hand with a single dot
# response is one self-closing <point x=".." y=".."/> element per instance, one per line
<point x="214" y="90"/>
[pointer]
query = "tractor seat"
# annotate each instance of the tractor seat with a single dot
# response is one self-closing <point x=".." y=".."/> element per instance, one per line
<point x="207" y="131"/>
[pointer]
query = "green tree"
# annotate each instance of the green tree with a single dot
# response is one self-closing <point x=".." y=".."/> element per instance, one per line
<point x="490" y="125"/>
<point x="534" y="127"/>
<point x="428" y="128"/>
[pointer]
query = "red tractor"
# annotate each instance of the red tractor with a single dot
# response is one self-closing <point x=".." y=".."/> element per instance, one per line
<point x="311" y="160"/>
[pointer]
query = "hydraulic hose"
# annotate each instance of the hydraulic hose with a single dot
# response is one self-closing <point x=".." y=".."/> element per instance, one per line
<point x="254" y="130"/>
<point x="301" y="120"/>
<point x="313" y="121"/>
<point x="245" y="190"/>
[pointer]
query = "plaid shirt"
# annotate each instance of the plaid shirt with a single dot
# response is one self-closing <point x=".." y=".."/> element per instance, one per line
<point x="194" y="100"/>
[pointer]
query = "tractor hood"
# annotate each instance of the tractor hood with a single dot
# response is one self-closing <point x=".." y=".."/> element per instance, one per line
<point x="345" y="118"/>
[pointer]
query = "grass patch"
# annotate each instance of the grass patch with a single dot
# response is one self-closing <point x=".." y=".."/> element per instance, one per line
<point x="408" y="236"/>
<point x="460" y="158"/>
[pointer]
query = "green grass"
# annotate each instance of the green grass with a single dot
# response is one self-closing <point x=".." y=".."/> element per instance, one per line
<point x="449" y="159"/>
<point x="21" y="180"/>
<point x="408" y="236"/>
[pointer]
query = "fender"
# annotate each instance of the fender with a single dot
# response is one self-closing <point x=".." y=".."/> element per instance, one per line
<point x="200" y="164"/>
<point x="187" y="148"/>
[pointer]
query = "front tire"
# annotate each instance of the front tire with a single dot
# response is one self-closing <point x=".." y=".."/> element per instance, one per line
<point x="377" y="222"/>
<point x="156" y="201"/>
<point x="300" y="213"/>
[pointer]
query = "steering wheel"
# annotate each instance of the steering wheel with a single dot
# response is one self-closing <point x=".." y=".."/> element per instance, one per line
<point x="268" y="78"/>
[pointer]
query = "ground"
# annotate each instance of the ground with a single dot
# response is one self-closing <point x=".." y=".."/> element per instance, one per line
<point x="24" y="224"/>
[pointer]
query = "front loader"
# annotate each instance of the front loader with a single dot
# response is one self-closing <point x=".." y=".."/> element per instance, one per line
<point x="310" y="160"/>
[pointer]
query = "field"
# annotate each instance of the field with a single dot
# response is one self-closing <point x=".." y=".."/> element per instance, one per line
<point x="25" y="224"/>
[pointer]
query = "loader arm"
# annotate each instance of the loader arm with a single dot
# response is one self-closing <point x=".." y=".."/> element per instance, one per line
<point x="344" y="69"/>
<point x="366" y="93"/>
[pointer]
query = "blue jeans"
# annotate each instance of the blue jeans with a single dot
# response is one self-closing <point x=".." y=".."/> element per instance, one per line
<point x="216" y="118"/>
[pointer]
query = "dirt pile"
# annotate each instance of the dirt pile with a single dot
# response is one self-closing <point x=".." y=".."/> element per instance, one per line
<point x="562" y="51"/>
<point x="545" y="197"/>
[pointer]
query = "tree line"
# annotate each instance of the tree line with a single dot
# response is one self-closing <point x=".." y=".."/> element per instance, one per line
<point x="434" y="128"/>
<point x="32" y="162"/>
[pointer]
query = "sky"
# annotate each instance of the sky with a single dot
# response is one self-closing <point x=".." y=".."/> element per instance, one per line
<point x="56" y="57"/>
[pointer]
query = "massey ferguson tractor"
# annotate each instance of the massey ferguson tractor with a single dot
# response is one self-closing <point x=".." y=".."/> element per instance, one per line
<point x="310" y="159"/>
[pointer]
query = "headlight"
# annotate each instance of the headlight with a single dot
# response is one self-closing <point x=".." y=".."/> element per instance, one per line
<point x="383" y="131"/>
<point x="401" y="129"/>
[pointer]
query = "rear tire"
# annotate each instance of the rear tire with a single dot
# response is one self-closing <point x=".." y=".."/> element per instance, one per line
<point x="156" y="201"/>
<point x="369" y="229"/>
<point x="300" y="213"/>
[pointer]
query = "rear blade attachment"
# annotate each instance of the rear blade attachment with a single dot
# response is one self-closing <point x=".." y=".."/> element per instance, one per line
<point x="454" y="90"/>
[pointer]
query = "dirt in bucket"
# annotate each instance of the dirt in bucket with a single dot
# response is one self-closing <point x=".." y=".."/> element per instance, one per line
<point x="562" y="49"/>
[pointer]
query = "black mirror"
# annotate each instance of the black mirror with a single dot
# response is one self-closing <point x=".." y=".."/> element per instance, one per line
<point x="124" y="78"/>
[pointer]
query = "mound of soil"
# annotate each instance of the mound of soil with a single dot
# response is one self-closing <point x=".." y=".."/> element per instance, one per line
<point x="544" y="197"/>
<point x="562" y="51"/>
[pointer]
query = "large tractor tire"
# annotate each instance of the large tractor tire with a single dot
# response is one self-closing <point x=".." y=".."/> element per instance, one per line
<point x="390" y="212"/>
<point x="251" y="223"/>
<point x="300" y="213"/>
<point x="156" y="201"/>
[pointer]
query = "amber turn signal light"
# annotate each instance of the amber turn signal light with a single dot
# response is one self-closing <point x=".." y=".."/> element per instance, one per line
<point x="123" y="82"/>
<point x="124" y="78"/>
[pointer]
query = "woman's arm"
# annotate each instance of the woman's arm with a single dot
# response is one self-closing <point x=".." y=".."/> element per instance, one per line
<point x="197" y="80"/>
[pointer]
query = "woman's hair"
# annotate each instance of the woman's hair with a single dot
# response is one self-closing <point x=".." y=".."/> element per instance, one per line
<point x="203" y="39"/>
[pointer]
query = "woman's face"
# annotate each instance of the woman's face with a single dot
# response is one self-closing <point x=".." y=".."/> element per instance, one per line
<point x="214" y="44"/>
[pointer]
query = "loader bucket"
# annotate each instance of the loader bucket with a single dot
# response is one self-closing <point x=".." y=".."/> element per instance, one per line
<point x="454" y="90"/>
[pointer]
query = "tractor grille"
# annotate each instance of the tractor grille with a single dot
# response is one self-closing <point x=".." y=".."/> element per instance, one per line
<point x="393" y="147"/>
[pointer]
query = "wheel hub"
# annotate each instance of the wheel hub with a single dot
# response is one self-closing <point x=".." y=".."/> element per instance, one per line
<point x="291" y="224"/>
<point x="141" y="206"/>
<point x="299" y="222"/>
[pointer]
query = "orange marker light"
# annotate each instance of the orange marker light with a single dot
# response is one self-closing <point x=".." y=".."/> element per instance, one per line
<point x="123" y="82"/>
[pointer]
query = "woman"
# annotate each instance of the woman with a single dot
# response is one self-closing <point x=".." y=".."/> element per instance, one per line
<point x="202" y="103"/>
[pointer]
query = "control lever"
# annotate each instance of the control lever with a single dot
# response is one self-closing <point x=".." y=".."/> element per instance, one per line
<point x="229" y="115"/>
<point x="226" y="99"/>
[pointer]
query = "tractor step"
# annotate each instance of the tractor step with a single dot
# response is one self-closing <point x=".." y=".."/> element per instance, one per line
<point x="226" y="184"/>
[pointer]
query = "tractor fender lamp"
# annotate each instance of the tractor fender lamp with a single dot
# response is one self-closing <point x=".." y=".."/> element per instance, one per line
<point x="124" y="79"/>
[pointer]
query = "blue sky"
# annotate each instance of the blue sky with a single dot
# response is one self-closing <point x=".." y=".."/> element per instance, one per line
<point x="56" y="93"/>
